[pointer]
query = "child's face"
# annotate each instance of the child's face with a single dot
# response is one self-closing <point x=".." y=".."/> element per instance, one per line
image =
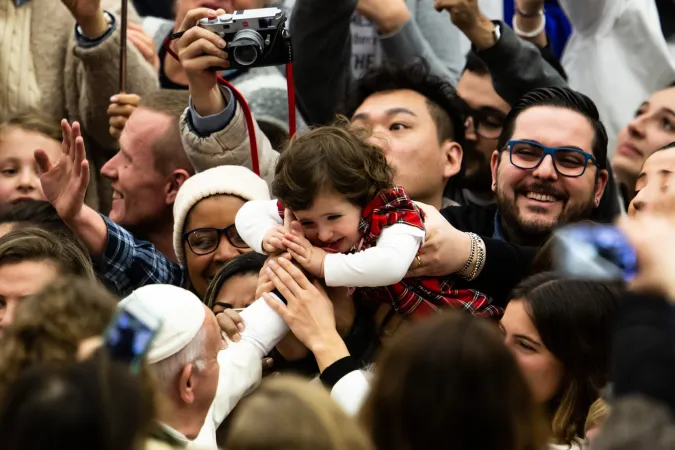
<point x="19" y="176"/>
<point x="332" y="223"/>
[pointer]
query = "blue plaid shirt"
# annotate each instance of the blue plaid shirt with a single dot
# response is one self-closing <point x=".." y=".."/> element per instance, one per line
<point x="129" y="263"/>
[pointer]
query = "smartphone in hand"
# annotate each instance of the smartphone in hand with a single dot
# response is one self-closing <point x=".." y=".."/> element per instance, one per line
<point x="130" y="334"/>
<point x="594" y="252"/>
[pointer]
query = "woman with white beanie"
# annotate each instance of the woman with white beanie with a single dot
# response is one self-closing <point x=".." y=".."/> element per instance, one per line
<point x="204" y="233"/>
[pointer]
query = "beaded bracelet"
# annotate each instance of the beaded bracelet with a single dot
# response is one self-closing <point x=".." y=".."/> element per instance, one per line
<point x="469" y="261"/>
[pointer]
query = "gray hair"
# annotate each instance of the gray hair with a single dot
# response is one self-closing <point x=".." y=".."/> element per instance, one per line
<point x="167" y="370"/>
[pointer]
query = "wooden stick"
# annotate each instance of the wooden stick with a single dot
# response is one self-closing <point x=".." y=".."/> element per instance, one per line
<point x="123" y="46"/>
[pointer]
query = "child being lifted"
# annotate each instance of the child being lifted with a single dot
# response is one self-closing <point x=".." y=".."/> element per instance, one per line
<point x="350" y="225"/>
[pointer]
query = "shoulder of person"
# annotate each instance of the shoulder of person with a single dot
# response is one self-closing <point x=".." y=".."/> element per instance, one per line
<point x="470" y="217"/>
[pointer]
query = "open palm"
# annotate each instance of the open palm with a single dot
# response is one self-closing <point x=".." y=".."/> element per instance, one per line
<point x="65" y="182"/>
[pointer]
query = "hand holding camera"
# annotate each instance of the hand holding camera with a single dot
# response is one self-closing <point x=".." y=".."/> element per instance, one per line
<point x="199" y="51"/>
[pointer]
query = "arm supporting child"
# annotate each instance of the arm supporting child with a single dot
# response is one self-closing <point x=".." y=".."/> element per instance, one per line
<point x="382" y="265"/>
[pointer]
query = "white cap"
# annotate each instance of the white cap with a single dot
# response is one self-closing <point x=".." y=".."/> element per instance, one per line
<point x="182" y="316"/>
<point x="232" y="180"/>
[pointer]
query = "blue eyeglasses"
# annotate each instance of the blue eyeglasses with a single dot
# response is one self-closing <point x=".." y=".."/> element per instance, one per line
<point x="568" y="162"/>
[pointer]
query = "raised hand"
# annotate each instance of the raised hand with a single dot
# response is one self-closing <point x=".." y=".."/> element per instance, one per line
<point x="121" y="107"/>
<point x="199" y="51"/>
<point x="144" y="43"/>
<point x="89" y="16"/>
<point x="309" y="257"/>
<point x="65" y="182"/>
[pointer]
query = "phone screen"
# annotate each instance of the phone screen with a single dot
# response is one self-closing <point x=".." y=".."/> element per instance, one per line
<point x="128" y="339"/>
<point x="598" y="252"/>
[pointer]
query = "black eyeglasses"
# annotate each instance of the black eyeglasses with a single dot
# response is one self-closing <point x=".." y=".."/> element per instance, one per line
<point x="568" y="162"/>
<point x="484" y="123"/>
<point x="203" y="241"/>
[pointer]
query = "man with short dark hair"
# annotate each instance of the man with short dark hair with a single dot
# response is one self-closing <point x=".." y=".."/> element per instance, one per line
<point x="550" y="168"/>
<point x="150" y="168"/>
<point x="30" y="258"/>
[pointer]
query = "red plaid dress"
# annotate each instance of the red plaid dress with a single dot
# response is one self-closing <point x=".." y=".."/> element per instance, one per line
<point x="417" y="297"/>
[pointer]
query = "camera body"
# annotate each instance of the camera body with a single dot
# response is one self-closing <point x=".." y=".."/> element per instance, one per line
<point x="255" y="37"/>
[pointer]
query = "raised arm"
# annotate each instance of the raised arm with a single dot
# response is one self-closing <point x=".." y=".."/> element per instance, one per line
<point x="322" y="49"/>
<point x="213" y="128"/>
<point x="409" y="35"/>
<point x="95" y="66"/>
<point x="526" y="70"/>
<point x="126" y="263"/>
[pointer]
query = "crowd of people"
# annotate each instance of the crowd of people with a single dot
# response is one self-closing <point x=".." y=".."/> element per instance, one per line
<point x="183" y="269"/>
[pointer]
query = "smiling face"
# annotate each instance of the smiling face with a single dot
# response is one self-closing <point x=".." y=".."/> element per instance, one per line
<point x="19" y="174"/>
<point x="543" y="372"/>
<point x="332" y="222"/>
<point x="139" y="190"/>
<point x="403" y="127"/>
<point x="652" y="128"/>
<point x="217" y="211"/>
<point x="532" y="202"/>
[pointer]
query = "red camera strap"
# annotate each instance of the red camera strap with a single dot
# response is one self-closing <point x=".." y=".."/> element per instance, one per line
<point x="248" y="116"/>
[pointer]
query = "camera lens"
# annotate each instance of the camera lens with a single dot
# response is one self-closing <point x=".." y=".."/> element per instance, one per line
<point x="247" y="46"/>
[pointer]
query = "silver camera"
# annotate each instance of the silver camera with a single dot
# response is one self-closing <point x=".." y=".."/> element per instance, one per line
<point x="255" y="37"/>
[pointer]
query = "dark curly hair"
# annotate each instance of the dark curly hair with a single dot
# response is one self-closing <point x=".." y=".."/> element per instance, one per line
<point x="330" y="158"/>
<point x="445" y="107"/>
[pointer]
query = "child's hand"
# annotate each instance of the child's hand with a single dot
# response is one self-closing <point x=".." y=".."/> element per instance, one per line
<point x="309" y="257"/>
<point x="121" y="107"/>
<point x="272" y="242"/>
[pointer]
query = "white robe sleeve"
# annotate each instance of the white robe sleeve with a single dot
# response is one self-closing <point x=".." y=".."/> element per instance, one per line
<point x="241" y="362"/>
<point x="255" y="219"/>
<point x="382" y="265"/>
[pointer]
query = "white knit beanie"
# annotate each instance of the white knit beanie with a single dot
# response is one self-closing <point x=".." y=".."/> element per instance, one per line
<point x="232" y="180"/>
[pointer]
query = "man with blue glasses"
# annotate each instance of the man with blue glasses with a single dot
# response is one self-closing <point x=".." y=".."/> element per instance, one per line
<point x="550" y="168"/>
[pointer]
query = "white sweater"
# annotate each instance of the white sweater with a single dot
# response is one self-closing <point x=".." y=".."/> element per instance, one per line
<point x="382" y="265"/>
<point x="617" y="56"/>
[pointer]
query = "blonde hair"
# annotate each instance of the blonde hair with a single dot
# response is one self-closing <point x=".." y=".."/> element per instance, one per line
<point x="288" y="413"/>
<point x="597" y="414"/>
<point x="32" y="120"/>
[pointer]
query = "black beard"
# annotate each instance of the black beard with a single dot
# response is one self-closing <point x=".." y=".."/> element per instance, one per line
<point x="535" y="234"/>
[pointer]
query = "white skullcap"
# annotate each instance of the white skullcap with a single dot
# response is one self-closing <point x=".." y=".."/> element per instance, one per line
<point x="181" y="313"/>
<point x="232" y="180"/>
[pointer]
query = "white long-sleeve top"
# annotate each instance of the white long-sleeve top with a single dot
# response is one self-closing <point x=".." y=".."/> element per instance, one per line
<point x="241" y="367"/>
<point x="382" y="265"/>
<point x="616" y="55"/>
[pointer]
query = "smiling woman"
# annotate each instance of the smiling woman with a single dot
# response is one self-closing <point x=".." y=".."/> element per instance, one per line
<point x="204" y="234"/>
<point x="559" y="332"/>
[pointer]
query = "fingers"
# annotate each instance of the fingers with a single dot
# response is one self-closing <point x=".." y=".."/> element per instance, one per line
<point x="126" y="99"/>
<point x="288" y="219"/>
<point x="42" y="160"/>
<point x="142" y="42"/>
<point x="80" y="155"/>
<point x="201" y="42"/>
<point x="297" y="245"/>
<point x="84" y="179"/>
<point x="65" y="135"/>
<point x="74" y="134"/>
<point x="277" y="306"/>
<point x="296" y="228"/>
<point x="231" y="324"/>
<point x="295" y="273"/>
<point x="286" y="285"/>
<point x="194" y="16"/>
<point x="120" y="109"/>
